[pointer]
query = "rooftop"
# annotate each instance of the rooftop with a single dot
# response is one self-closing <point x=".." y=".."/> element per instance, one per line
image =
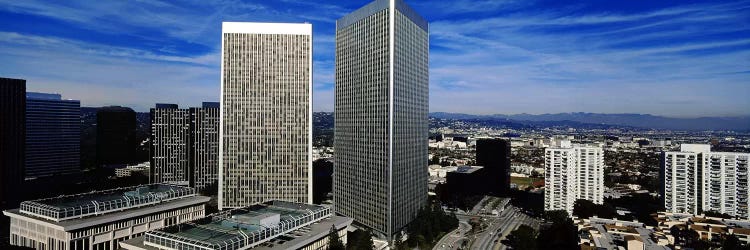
<point x="77" y="206"/>
<point x="240" y="228"/>
<point x="468" y="169"/>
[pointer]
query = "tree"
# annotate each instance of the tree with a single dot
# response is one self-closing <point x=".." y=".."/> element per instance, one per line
<point x="523" y="238"/>
<point x="334" y="243"/>
<point x="562" y="234"/>
<point x="731" y="242"/>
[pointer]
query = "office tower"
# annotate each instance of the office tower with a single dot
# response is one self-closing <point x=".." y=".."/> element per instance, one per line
<point x="494" y="156"/>
<point x="12" y="139"/>
<point x="204" y="154"/>
<point x="725" y="180"/>
<point x="170" y="145"/>
<point x="696" y="180"/>
<point x="266" y="113"/>
<point x="681" y="177"/>
<point x="53" y="135"/>
<point x="115" y="136"/>
<point x="381" y="110"/>
<point x="571" y="174"/>
<point x="100" y="220"/>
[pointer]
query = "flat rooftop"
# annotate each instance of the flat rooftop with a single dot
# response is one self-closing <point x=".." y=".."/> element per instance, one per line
<point x="78" y="206"/>
<point x="468" y="169"/>
<point x="240" y="228"/>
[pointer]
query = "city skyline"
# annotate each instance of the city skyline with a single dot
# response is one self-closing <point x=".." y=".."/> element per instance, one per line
<point x="665" y="58"/>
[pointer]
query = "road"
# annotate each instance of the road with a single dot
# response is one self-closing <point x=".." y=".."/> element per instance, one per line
<point x="453" y="239"/>
<point x="510" y="219"/>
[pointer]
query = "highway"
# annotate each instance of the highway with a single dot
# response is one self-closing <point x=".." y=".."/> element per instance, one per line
<point x="510" y="219"/>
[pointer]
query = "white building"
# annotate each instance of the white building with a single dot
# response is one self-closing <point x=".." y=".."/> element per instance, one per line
<point x="266" y="113"/>
<point x="100" y="220"/>
<point x="571" y="174"/>
<point x="143" y="168"/>
<point x="696" y="180"/>
<point x="725" y="183"/>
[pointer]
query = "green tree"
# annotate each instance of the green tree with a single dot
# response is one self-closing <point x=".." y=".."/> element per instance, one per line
<point x="334" y="243"/>
<point x="562" y="234"/>
<point x="731" y="242"/>
<point x="523" y="238"/>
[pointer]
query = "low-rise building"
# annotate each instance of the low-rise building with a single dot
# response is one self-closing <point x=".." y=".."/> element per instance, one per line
<point x="268" y="226"/>
<point x="99" y="220"/>
<point x="143" y="168"/>
<point x="708" y="228"/>
<point x="599" y="233"/>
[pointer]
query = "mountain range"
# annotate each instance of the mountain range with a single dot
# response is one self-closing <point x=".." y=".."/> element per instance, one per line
<point x="740" y="123"/>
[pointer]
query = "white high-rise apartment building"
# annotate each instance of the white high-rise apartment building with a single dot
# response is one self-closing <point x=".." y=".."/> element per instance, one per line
<point x="266" y="114"/>
<point x="696" y="180"/>
<point x="725" y="179"/>
<point x="573" y="173"/>
<point x="680" y="175"/>
<point x="381" y="115"/>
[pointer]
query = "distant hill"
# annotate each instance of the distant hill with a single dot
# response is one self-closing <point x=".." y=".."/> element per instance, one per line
<point x="633" y="120"/>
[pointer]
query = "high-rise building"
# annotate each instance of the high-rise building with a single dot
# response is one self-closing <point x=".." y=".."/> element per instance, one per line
<point x="681" y="177"/>
<point x="696" y="180"/>
<point x="266" y="113"/>
<point x="571" y="174"/>
<point x="115" y="136"/>
<point x="725" y="184"/>
<point x="53" y="135"/>
<point x="185" y="145"/>
<point x="12" y="139"/>
<point x="204" y="153"/>
<point x="381" y="107"/>
<point x="494" y="156"/>
<point x="170" y="145"/>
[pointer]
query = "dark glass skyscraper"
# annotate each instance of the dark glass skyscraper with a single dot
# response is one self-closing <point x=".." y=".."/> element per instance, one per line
<point x="494" y="156"/>
<point x="115" y="136"/>
<point x="381" y="125"/>
<point x="185" y="145"/>
<point x="53" y="135"/>
<point x="12" y="139"/>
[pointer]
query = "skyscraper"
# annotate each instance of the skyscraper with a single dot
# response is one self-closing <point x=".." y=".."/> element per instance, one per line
<point x="571" y="174"/>
<point x="12" y="139"/>
<point x="115" y="136"/>
<point x="266" y="113"/>
<point x="381" y="127"/>
<point x="170" y="145"/>
<point x="53" y="135"/>
<point x="681" y="177"/>
<point x="204" y="153"/>
<point x="494" y="156"/>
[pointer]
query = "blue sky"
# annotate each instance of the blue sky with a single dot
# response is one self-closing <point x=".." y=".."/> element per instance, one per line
<point x="673" y="58"/>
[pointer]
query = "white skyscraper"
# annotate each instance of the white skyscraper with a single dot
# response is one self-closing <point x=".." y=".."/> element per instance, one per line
<point x="696" y="180"/>
<point x="380" y="176"/>
<point x="573" y="173"/>
<point x="266" y="113"/>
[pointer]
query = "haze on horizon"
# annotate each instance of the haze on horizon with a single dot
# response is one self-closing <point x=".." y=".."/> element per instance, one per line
<point x="670" y="58"/>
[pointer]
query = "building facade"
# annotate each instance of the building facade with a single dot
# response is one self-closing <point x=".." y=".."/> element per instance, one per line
<point x="696" y="180"/>
<point x="53" y="135"/>
<point x="725" y="184"/>
<point x="170" y="145"/>
<point x="115" y="136"/>
<point x="204" y="157"/>
<point x="494" y="156"/>
<point x="12" y="139"/>
<point x="571" y="174"/>
<point x="185" y="145"/>
<point x="381" y="105"/>
<point x="681" y="175"/>
<point x="100" y="220"/>
<point x="266" y="113"/>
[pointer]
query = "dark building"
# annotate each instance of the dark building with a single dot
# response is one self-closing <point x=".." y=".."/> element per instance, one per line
<point x="115" y="136"/>
<point x="467" y="181"/>
<point x="322" y="180"/>
<point x="12" y="139"/>
<point x="185" y="145"/>
<point x="53" y="135"/>
<point x="494" y="156"/>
